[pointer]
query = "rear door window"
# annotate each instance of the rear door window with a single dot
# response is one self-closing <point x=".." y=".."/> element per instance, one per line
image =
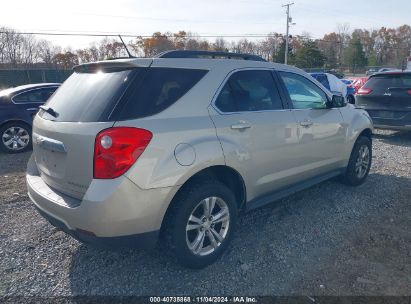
<point x="251" y="90"/>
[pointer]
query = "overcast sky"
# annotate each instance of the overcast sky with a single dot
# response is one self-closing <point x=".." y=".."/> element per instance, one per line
<point x="211" y="17"/>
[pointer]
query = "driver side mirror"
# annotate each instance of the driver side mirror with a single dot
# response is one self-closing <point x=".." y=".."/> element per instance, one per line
<point x="337" y="101"/>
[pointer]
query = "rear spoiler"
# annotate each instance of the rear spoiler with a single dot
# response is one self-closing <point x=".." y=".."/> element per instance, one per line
<point x="112" y="65"/>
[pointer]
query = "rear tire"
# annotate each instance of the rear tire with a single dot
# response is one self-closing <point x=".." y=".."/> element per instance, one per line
<point x="351" y="99"/>
<point x="15" y="137"/>
<point x="360" y="162"/>
<point x="196" y="236"/>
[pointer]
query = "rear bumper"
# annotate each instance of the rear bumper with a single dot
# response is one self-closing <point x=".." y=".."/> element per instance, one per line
<point x="145" y="240"/>
<point x="112" y="213"/>
<point x="398" y="122"/>
<point x="393" y="127"/>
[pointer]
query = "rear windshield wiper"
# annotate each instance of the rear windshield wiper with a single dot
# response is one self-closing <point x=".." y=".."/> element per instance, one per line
<point x="49" y="110"/>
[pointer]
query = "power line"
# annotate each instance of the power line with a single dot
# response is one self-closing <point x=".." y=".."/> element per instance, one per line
<point x="114" y="34"/>
<point x="131" y="35"/>
<point x="194" y="36"/>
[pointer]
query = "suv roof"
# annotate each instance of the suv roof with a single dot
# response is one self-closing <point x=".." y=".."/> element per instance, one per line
<point x="190" y="62"/>
<point x="208" y="54"/>
<point x="392" y="72"/>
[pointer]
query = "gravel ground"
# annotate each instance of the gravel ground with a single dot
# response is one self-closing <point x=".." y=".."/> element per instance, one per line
<point x="328" y="240"/>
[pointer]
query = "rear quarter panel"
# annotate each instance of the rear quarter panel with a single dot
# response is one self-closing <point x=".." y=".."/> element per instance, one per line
<point x="183" y="131"/>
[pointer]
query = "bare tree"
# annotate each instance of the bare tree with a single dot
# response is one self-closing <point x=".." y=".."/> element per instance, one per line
<point x="343" y="32"/>
<point x="220" y="44"/>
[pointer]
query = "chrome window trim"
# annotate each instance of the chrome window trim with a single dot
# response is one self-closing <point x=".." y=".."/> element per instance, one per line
<point x="220" y="88"/>
<point x="27" y="91"/>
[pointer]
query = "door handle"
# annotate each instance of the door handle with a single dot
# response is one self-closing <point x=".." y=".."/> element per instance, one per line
<point x="241" y="125"/>
<point x="306" y="123"/>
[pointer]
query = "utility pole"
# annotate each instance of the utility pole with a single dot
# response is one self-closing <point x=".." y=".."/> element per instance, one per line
<point x="288" y="27"/>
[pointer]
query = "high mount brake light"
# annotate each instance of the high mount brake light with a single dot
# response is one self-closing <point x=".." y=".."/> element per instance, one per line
<point x="117" y="149"/>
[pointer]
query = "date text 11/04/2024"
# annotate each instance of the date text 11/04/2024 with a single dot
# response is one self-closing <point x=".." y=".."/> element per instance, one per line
<point x="186" y="299"/>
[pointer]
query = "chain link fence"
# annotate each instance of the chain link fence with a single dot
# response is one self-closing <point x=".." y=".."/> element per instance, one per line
<point x="15" y="77"/>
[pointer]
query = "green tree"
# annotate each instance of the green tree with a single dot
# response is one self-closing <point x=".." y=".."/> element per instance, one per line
<point x="354" y="54"/>
<point x="309" y="56"/>
<point x="372" y="60"/>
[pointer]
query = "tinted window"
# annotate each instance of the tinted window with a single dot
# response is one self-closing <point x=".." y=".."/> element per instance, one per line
<point x="381" y="83"/>
<point x="120" y="94"/>
<point x="323" y="80"/>
<point x="158" y="89"/>
<point x="39" y="95"/>
<point x="303" y="93"/>
<point x="249" y="91"/>
<point x="87" y="97"/>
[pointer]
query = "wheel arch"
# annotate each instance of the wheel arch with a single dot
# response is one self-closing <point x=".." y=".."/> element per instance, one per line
<point x="224" y="174"/>
<point x="9" y="121"/>
<point x="367" y="132"/>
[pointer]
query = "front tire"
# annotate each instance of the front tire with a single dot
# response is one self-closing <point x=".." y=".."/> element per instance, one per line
<point x="201" y="223"/>
<point x="15" y="137"/>
<point x="360" y="162"/>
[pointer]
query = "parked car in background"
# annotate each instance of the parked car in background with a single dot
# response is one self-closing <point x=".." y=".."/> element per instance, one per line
<point x="388" y="70"/>
<point x="371" y="71"/>
<point x="350" y="90"/>
<point x="176" y="146"/>
<point x="358" y="82"/>
<point x="336" y="73"/>
<point x="17" y="108"/>
<point x="332" y="83"/>
<point x="387" y="99"/>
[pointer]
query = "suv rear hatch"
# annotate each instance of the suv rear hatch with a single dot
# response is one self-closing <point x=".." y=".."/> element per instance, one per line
<point x="91" y="100"/>
<point x="64" y="137"/>
<point x="386" y="95"/>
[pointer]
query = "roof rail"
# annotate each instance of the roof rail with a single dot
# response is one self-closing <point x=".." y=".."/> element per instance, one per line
<point x="205" y="54"/>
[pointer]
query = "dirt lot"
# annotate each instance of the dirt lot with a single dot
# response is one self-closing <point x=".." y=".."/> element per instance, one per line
<point x="327" y="240"/>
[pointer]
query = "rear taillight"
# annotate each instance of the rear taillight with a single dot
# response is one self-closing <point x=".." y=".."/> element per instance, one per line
<point x="409" y="92"/>
<point x="117" y="149"/>
<point x="364" y="91"/>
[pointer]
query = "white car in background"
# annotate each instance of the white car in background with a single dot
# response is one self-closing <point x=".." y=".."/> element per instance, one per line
<point x="332" y="83"/>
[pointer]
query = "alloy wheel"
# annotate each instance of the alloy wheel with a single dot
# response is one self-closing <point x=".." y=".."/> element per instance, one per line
<point x="207" y="226"/>
<point x="363" y="161"/>
<point x="15" y="138"/>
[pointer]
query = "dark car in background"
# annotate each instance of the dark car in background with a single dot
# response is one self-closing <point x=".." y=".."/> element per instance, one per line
<point x="387" y="99"/>
<point x="17" y="108"/>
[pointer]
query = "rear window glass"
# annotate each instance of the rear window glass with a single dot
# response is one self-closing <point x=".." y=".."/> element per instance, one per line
<point x="120" y="94"/>
<point x="383" y="82"/>
<point x="157" y="90"/>
<point x="89" y="97"/>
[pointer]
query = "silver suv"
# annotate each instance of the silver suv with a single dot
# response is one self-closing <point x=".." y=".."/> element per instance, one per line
<point x="176" y="146"/>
